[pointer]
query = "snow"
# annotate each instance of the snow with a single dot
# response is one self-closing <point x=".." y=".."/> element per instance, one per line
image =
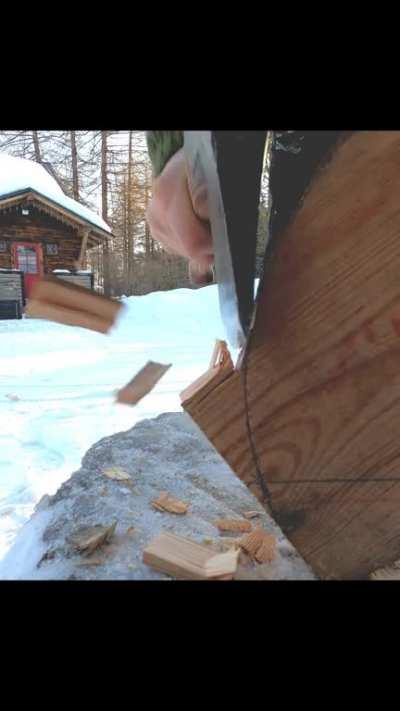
<point x="57" y="387"/>
<point x="18" y="174"/>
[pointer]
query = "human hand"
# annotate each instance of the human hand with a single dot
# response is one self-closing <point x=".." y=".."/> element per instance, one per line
<point x="178" y="218"/>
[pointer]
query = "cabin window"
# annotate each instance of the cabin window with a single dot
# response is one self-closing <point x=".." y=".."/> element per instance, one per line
<point x="51" y="248"/>
<point x="27" y="259"/>
<point x="3" y="246"/>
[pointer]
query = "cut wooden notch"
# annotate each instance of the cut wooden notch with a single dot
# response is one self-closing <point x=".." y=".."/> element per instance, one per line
<point x="185" y="559"/>
<point x="233" y="524"/>
<point x="71" y="305"/>
<point x="221" y="366"/>
<point x="143" y="382"/>
<point x="252" y="514"/>
<point x="168" y="503"/>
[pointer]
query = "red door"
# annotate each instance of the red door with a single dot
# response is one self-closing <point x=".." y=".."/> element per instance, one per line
<point x="28" y="259"/>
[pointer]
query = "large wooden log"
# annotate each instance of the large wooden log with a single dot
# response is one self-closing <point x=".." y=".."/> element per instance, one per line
<point x="312" y="420"/>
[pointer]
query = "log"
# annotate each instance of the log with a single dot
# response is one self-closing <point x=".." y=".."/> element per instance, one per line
<point x="311" y="423"/>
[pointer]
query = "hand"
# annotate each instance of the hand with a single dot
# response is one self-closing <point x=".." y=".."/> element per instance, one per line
<point x="178" y="218"/>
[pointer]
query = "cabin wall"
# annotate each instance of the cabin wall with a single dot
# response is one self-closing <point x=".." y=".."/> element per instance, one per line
<point x="41" y="229"/>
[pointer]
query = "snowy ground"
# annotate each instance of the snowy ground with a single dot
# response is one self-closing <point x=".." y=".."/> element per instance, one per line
<point x="57" y="388"/>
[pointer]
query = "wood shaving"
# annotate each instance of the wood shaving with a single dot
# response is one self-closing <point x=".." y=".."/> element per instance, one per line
<point x="116" y="473"/>
<point x="233" y="524"/>
<point x="86" y="540"/>
<point x="90" y="561"/>
<point x="165" y="502"/>
<point x="251" y="514"/>
<point x="391" y="572"/>
<point x="259" y="545"/>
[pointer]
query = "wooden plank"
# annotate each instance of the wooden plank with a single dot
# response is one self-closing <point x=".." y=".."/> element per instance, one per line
<point x="184" y="559"/>
<point x="318" y="393"/>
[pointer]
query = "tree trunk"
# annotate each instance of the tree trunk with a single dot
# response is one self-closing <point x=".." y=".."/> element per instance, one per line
<point x="74" y="160"/>
<point x="148" y="246"/>
<point x="130" y="235"/>
<point x="38" y="157"/>
<point x="104" y="210"/>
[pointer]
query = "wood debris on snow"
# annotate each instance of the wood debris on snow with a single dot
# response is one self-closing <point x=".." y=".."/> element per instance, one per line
<point x="391" y="572"/>
<point x="165" y="502"/>
<point x="142" y="383"/>
<point x="89" y="562"/>
<point x="71" y="305"/>
<point x="184" y="559"/>
<point x="117" y="473"/>
<point x="259" y="545"/>
<point x="87" y="539"/>
<point x="233" y="524"/>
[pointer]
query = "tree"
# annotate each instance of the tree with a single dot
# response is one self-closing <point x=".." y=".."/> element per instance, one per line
<point x="35" y="137"/>
<point x="74" y="163"/>
<point x="104" y="212"/>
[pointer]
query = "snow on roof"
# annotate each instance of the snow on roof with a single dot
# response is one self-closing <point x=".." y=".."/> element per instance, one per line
<point x="18" y="174"/>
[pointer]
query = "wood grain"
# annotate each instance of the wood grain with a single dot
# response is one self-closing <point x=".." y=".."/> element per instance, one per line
<point x="320" y="383"/>
<point x="185" y="559"/>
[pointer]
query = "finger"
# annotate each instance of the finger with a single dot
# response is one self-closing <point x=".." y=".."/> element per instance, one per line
<point x="199" y="200"/>
<point x="200" y="274"/>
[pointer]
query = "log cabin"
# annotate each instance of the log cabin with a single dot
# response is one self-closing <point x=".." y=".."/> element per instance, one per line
<point x="42" y="231"/>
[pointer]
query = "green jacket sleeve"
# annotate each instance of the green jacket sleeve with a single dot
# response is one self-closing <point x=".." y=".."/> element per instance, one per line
<point x="162" y="145"/>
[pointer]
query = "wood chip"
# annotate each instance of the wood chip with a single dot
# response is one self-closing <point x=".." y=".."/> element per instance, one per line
<point x="55" y="291"/>
<point x="391" y="572"/>
<point x="143" y="382"/>
<point x="259" y="545"/>
<point x="67" y="317"/>
<point x="251" y="514"/>
<point x="71" y="305"/>
<point x="116" y="473"/>
<point x="184" y="559"/>
<point x="165" y="502"/>
<point x="233" y="524"/>
<point x="90" y="561"/>
<point x="87" y="539"/>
